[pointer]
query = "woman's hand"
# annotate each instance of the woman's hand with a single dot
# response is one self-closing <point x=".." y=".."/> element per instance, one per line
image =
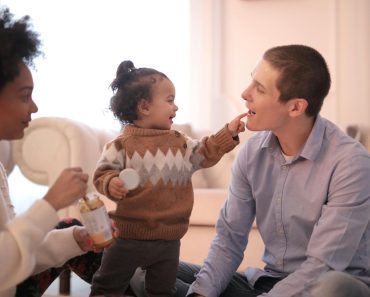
<point x="69" y="186"/>
<point x="84" y="240"/>
<point x="115" y="230"/>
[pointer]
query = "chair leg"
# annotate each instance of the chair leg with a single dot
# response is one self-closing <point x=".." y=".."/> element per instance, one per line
<point x="65" y="282"/>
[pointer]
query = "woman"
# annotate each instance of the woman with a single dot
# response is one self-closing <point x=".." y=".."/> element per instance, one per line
<point x="30" y="246"/>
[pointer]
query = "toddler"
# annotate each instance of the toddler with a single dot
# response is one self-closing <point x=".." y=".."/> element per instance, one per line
<point x="153" y="217"/>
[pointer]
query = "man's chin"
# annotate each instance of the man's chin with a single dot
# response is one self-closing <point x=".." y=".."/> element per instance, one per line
<point x="250" y="127"/>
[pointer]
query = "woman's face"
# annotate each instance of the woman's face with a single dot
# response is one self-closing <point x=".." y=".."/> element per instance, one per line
<point x="16" y="105"/>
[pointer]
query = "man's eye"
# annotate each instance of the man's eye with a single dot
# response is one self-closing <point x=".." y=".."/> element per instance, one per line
<point x="260" y="90"/>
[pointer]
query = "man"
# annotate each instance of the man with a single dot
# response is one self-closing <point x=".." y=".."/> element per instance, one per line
<point x="305" y="183"/>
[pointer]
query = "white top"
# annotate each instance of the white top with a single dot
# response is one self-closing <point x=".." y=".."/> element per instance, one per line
<point x="28" y="245"/>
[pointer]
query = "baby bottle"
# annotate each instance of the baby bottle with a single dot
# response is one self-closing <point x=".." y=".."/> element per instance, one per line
<point x="95" y="219"/>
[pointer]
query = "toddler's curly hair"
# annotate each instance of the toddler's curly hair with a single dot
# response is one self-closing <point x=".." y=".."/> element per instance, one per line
<point x="129" y="87"/>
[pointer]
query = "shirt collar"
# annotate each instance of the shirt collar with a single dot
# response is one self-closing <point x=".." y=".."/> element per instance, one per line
<point x="312" y="146"/>
<point x="314" y="142"/>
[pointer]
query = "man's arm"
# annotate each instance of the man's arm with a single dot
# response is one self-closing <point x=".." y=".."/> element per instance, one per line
<point x="233" y="226"/>
<point x="339" y="232"/>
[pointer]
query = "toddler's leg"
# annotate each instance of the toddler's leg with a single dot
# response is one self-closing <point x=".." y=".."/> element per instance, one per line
<point x="160" y="276"/>
<point x="117" y="267"/>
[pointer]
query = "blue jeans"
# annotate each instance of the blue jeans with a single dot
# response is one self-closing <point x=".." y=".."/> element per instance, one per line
<point x="238" y="286"/>
<point x="338" y="284"/>
<point x="331" y="284"/>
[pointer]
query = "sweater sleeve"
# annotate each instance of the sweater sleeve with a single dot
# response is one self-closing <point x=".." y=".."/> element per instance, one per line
<point x="110" y="164"/>
<point x="210" y="149"/>
<point x="58" y="247"/>
<point x="20" y="242"/>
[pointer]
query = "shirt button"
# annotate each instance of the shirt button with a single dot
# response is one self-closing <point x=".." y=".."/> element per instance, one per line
<point x="185" y="146"/>
<point x="177" y="134"/>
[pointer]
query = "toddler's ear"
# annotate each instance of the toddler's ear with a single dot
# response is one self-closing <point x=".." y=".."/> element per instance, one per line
<point x="143" y="107"/>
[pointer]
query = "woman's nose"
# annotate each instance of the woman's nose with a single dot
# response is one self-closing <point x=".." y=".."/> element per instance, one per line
<point x="34" y="107"/>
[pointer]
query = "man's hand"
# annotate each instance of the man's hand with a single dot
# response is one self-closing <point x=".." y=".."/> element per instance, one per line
<point x="237" y="126"/>
<point x="117" y="188"/>
<point x="69" y="186"/>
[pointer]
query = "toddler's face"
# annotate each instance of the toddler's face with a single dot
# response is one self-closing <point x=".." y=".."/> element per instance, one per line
<point x="162" y="108"/>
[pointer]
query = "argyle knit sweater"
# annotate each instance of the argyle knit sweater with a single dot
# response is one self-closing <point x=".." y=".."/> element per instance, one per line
<point x="165" y="161"/>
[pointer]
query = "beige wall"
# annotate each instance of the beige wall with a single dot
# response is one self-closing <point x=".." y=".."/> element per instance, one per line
<point x="230" y="35"/>
<point x="353" y="64"/>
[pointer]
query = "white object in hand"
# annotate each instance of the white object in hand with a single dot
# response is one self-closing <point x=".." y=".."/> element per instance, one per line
<point x="130" y="177"/>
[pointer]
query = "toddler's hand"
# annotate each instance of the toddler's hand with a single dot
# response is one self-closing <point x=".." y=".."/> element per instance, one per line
<point x="237" y="125"/>
<point x="116" y="188"/>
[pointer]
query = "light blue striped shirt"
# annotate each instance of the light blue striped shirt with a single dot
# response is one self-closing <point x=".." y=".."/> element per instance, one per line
<point x="313" y="212"/>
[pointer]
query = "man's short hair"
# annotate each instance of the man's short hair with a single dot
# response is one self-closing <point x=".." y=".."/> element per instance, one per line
<point x="303" y="74"/>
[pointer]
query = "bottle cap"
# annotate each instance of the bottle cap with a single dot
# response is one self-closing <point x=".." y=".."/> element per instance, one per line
<point x="130" y="177"/>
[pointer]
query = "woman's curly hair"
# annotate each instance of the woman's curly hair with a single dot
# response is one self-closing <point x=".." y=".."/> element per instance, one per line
<point x="18" y="43"/>
<point x="130" y="86"/>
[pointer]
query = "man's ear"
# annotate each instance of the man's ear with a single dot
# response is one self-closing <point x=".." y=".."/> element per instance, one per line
<point x="143" y="107"/>
<point x="297" y="106"/>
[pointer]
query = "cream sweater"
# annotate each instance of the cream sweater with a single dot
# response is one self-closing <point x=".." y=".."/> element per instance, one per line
<point x="28" y="245"/>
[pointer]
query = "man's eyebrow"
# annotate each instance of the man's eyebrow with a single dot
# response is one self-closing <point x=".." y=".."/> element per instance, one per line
<point x="256" y="81"/>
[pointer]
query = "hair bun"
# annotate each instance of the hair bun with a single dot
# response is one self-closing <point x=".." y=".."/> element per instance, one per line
<point x="125" y="67"/>
<point x="123" y="74"/>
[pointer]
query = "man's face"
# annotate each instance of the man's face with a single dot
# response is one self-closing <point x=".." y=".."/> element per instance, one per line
<point x="16" y="105"/>
<point x="266" y="112"/>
